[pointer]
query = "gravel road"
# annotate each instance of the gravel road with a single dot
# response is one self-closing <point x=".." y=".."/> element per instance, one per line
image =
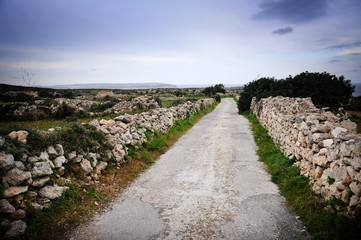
<point x="209" y="185"/>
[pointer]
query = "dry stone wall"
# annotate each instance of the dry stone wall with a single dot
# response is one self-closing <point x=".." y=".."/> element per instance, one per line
<point x="30" y="184"/>
<point x="326" y="148"/>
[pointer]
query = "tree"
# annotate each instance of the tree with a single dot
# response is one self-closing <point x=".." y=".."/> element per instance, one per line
<point x="28" y="77"/>
<point x="260" y="88"/>
<point x="325" y="90"/>
<point x="210" y="91"/>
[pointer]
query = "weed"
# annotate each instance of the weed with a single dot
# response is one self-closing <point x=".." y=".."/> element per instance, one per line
<point x="330" y="180"/>
<point x="333" y="201"/>
<point x="92" y="192"/>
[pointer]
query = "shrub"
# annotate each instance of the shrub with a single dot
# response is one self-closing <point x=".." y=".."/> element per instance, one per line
<point x="323" y="88"/>
<point x="217" y="98"/>
<point x="100" y="107"/>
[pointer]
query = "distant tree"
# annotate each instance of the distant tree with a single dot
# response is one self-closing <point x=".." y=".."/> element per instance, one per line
<point x="210" y="91"/>
<point x="219" y="88"/>
<point x="28" y="77"/>
<point x="68" y="93"/>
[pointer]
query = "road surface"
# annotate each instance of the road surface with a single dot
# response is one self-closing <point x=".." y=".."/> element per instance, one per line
<point x="209" y="185"/>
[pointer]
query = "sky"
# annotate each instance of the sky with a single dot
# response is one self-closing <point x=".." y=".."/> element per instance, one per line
<point x="177" y="42"/>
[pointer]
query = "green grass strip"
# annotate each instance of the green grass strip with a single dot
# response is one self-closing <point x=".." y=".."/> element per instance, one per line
<point x="320" y="223"/>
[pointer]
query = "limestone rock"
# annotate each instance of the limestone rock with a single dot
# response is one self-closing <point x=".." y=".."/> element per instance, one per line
<point x="60" y="171"/>
<point x="33" y="159"/>
<point x="40" y="182"/>
<point x="356" y="163"/>
<point x="107" y="122"/>
<point x="41" y="169"/>
<point x="17" y="228"/>
<point x="104" y="130"/>
<point x="44" y="156"/>
<point x="85" y="166"/>
<point x="13" y="191"/>
<point x="124" y="118"/>
<point x="320" y="160"/>
<point x="13" y="135"/>
<point x="349" y="125"/>
<point x="19" y="165"/>
<point x="59" y="149"/>
<point x="52" y="192"/>
<point x="327" y="143"/>
<point x="339" y="186"/>
<point x="22" y="136"/>
<point x="78" y="158"/>
<point x="94" y="123"/>
<point x="101" y="166"/>
<point x="6" y="207"/>
<point x="35" y="206"/>
<point x="354" y="200"/>
<point x="30" y="195"/>
<point x="72" y="155"/>
<point x="2" y="141"/>
<point x="6" y="161"/>
<point x="59" y="161"/>
<point x="18" y="214"/>
<point x="356" y="188"/>
<point x="93" y="159"/>
<point x="338" y="131"/>
<point x="52" y="152"/>
<point x="16" y="176"/>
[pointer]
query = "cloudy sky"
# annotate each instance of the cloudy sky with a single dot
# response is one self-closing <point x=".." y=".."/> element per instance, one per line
<point x="178" y="42"/>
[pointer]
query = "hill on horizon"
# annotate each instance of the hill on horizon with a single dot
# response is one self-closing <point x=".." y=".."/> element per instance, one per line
<point x="112" y="86"/>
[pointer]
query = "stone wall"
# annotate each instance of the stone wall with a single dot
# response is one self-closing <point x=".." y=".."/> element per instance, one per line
<point x="31" y="183"/>
<point x="325" y="147"/>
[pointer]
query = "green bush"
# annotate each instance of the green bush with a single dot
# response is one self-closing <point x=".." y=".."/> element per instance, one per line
<point x="100" y="107"/>
<point x="325" y="90"/>
<point x="217" y="98"/>
<point x="210" y="91"/>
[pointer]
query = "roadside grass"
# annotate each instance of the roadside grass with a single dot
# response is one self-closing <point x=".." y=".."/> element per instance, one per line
<point x="320" y="223"/>
<point x="81" y="202"/>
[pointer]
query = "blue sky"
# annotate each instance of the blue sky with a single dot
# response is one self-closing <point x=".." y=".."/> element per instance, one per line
<point x="177" y="42"/>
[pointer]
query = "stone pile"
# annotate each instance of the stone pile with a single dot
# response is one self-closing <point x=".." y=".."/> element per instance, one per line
<point x="31" y="183"/>
<point x="326" y="148"/>
<point x="139" y="103"/>
<point x="37" y="110"/>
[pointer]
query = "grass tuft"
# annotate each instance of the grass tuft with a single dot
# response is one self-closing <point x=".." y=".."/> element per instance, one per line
<point x="320" y="223"/>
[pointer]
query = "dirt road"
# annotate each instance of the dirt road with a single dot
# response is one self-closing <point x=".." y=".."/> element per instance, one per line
<point x="209" y="185"/>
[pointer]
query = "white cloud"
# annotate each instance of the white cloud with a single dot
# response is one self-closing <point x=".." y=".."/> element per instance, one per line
<point x="351" y="51"/>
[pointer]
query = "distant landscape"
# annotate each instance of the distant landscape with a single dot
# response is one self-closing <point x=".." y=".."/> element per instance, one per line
<point x="113" y="86"/>
<point x="155" y="85"/>
<point x="133" y="86"/>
